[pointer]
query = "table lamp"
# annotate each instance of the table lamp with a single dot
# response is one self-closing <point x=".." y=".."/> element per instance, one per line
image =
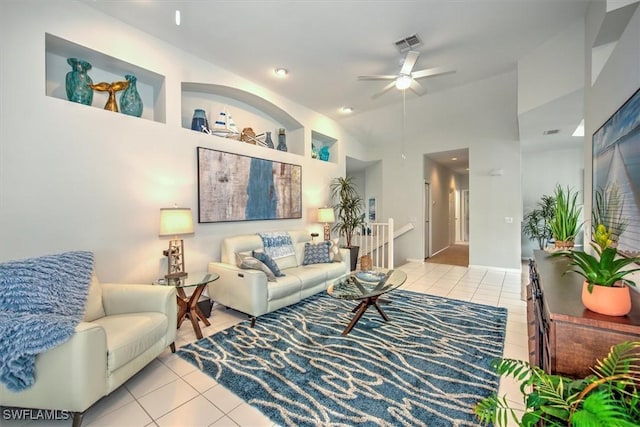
<point x="326" y="216"/>
<point x="175" y="222"/>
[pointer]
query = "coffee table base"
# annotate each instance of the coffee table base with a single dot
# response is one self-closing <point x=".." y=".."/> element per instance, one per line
<point x="362" y="307"/>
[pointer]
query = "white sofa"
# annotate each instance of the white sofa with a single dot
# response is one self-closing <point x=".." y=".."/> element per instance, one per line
<point x="124" y="328"/>
<point x="248" y="291"/>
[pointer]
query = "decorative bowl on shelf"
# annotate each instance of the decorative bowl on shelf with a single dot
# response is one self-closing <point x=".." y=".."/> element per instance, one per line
<point x="370" y="275"/>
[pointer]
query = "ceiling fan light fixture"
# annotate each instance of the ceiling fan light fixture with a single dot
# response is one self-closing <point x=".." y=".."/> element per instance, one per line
<point x="403" y="82"/>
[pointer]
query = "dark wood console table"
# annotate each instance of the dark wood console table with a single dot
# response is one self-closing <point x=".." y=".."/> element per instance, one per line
<point x="565" y="337"/>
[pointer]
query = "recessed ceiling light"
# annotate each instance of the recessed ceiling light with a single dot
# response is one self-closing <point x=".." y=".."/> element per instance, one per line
<point x="281" y="72"/>
<point x="454" y="158"/>
<point x="346" y="110"/>
<point x="177" y="17"/>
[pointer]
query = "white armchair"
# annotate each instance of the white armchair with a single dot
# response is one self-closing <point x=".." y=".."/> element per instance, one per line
<point x="124" y="328"/>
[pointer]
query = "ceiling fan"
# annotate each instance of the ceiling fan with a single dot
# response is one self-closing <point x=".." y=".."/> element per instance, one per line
<point x="407" y="79"/>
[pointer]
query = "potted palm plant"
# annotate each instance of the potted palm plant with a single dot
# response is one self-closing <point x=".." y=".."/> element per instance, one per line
<point x="536" y="223"/>
<point x="609" y="397"/>
<point x="565" y="224"/>
<point x="348" y="206"/>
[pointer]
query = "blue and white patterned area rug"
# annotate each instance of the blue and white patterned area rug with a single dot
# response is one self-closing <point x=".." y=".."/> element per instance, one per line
<point x="428" y="365"/>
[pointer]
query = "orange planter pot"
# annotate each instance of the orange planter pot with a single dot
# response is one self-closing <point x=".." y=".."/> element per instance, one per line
<point x="612" y="301"/>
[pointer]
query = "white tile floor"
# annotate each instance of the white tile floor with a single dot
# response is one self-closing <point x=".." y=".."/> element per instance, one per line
<point x="172" y="392"/>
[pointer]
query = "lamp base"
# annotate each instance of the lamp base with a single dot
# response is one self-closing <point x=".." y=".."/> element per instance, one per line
<point x="327" y="232"/>
<point x="175" y="259"/>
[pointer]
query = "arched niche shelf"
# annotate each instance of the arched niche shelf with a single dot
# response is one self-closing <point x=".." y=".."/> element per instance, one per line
<point x="247" y="110"/>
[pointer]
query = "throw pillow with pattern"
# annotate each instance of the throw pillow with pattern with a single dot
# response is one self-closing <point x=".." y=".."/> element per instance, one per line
<point x="251" y="263"/>
<point x="334" y="251"/>
<point x="269" y="262"/>
<point x="316" y="253"/>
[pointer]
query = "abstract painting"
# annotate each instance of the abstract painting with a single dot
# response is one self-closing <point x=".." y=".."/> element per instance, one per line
<point x="233" y="187"/>
<point x="616" y="163"/>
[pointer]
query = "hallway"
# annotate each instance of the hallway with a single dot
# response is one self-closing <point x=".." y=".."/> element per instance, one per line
<point x="453" y="255"/>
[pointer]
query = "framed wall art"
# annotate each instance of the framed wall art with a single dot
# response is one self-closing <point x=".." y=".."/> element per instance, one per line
<point x="616" y="167"/>
<point x="234" y="187"/>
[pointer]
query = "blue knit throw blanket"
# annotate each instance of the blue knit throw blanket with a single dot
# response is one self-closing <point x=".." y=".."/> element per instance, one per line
<point x="42" y="300"/>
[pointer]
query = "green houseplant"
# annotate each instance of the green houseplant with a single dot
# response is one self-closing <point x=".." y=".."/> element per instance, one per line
<point x="565" y="224"/>
<point x="536" y="223"/>
<point x="606" y="288"/>
<point x="607" y="210"/>
<point x="348" y="206"/>
<point x="609" y="397"/>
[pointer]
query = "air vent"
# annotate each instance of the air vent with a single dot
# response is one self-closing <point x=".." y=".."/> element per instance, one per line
<point x="551" y="132"/>
<point x="408" y="43"/>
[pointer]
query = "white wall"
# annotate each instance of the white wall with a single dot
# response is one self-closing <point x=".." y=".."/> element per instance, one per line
<point x="480" y="116"/>
<point x="441" y="182"/>
<point x="618" y="80"/>
<point x="74" y="177"/>
<point x="552" y="70"/>
<point x="541" y="171"/>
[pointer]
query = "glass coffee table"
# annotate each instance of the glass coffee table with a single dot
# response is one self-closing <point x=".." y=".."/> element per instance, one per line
<point x="366" y="287"/>
<point x="189" y="304"/>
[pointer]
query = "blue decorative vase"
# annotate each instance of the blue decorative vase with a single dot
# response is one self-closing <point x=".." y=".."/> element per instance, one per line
<point x="282" y="140"/>
<point x="268" y="141"/>
<point x="199" y="121"/>
<point x="130" y="101"/>
<point x="324" y="153"/>
<point x="78" y="81"/>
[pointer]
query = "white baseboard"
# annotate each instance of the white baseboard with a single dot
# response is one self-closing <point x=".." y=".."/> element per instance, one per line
<point x="493" y="268"/>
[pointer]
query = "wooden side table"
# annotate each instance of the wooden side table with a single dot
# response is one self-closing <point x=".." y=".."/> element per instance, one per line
<point x="188" y="305"/>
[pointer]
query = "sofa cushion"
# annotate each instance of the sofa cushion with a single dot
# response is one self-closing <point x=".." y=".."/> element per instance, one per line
<point x="316" y="253"/>
<point x="287" y="262"/>
<point x="334" y="251"/>
<point x="93" y="308"/>
<point x="268" y="261"/>
<point x="283" y="287"/>
<point x="251" y="263"/>
<point x="333" y="270"/>
<point x="130" y="335"/>
<point x="310" y="275"/>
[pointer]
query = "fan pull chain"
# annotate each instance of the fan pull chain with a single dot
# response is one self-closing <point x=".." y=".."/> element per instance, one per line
<point x="404" y="112"/>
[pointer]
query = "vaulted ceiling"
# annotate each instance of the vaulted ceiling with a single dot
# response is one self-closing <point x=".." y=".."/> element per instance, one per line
<point x="326" y="45"/>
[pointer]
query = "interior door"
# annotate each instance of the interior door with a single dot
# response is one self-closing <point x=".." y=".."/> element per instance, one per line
<point x="427" y="220"/>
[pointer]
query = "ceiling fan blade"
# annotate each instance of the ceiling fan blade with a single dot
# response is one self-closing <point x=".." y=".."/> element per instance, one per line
<point x="417" y="88"/>
<point x="387" y="77"/>
<point x="431" y="72"/>
<point x="384" y="90"/>
<point x="409" y="62"/>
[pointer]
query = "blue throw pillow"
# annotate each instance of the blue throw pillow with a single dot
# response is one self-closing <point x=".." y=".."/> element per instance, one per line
<point x="316" y="253"/>
<point x="269" y="262"/>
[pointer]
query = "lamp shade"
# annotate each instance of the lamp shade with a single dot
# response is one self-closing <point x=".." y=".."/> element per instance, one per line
<point x="326" y="215"/>
<point x="175" y="222"/>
